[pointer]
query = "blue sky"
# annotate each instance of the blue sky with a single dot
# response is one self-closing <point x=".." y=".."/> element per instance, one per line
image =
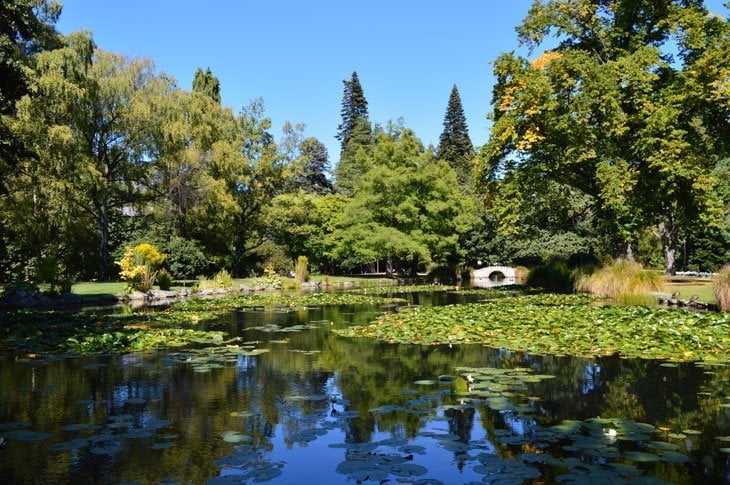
<point x="295" y="53"/>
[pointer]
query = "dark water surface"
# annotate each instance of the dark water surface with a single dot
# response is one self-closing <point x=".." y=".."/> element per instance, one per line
<point x="318" y="408"/>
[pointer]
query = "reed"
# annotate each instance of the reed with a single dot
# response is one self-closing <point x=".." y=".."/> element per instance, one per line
<point x="721" y="285"/>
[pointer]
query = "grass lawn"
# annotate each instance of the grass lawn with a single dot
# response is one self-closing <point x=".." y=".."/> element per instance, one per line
<point x="94" y="288"/>
<point x="689" y="287"/>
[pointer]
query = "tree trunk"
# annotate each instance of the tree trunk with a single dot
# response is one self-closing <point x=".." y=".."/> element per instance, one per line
<point x="630" y="252"/>
<point x="389" y="273"/>
<point x="414" y="267"/>
<point x="668" y="236"/>
<point x="104" y="242"/>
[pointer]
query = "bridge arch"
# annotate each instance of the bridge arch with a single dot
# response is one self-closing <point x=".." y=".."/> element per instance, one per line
<point x="494" y="272"/>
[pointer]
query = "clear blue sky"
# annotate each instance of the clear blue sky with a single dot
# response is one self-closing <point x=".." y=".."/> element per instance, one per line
<point x="295" y="53"/>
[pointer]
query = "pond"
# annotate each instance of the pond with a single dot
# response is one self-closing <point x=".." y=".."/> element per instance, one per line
<point x="307" y="406"/>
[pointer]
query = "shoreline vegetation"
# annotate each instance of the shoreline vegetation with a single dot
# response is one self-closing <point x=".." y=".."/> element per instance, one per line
<point x="507" y="318"/>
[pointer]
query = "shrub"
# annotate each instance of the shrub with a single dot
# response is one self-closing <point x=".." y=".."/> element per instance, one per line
<point x="164" y="280"/>
<point x="302" y="270"/>
<point x="185" y="259"/>
<point x="138" y="266"/>
<point x="722" y="288"/>
<point x="625" y="281"/>
<point x="270" y="279"/>
<point x="553" y="275"/>
<point x="222" y="279"/>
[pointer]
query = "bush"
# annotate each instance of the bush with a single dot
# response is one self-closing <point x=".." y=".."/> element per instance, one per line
<point x="625" y="281"/>
<point x="164" y="280"/>
<point x="302" y="270"/>
<point x="722" y="288"/>
<point x="139" y="266"/>
<point x="185" y="259"/>
<point x="25" y="286"/>
<point x="553" y="275"/>
<point x="270" y="279"/>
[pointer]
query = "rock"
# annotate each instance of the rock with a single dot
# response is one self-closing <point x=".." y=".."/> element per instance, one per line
<point x="162" y="294"/>
<point x="136" y="296"/>
<point x="184" y="292"/>
<point x="244" y="289"/>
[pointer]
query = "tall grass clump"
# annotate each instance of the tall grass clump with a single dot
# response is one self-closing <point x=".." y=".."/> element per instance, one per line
<point x="721" y="286"/>
<point x="622" y="280"/>
<point x="302" y="269"/>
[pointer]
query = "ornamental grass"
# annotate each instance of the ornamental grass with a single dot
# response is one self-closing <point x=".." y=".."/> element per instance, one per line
<point x="722" y="288"/>
<point x="625" y="281"/>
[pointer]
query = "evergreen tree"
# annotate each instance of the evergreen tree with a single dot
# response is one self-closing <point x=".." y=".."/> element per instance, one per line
<point x="315" y="161"/>
<point x="355" y="133"/>
<point x="455" y="146"/>
<point x="207" y="83"/>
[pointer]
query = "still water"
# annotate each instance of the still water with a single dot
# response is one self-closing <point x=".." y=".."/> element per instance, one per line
<point x="318" y="408"/>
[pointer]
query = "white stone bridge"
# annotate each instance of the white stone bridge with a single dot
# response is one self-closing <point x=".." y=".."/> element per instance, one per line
<point x="494" y="273"/>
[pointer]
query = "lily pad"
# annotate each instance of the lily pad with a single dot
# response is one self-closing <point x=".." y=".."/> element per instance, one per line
<point x="640" y="456"/>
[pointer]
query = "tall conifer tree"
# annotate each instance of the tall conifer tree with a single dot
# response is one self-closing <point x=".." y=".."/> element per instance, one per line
<point x="354" y="132"/>
<point x="455" y="146"/>
<point x="205" y="82"/>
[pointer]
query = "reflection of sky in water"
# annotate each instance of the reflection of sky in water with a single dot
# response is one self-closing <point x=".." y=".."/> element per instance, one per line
<point x="591" y="375"/>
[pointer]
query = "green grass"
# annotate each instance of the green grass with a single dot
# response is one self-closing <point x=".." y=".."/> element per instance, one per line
<point x="94" y="288"/>
<point x="686" y="290"/>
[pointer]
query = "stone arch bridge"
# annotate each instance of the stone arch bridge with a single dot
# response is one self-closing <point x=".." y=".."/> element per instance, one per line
<point x="496" y="272"/>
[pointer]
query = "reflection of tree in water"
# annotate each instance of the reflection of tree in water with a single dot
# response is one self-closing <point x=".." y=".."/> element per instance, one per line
<point x="461" y="422"/>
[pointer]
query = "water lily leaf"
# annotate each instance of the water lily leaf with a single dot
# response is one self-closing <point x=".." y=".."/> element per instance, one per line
<point x="408" y="470"/>
<point x="14" y="425"/>
<point x="424" y="382"/>
<point x="69" y="445"/>
<point x="241" y="414"/>
<point x="677" y="436"/>
<point x="235" y="437"/>
<point x="640" y="456"/>
<point x="79" y="427"/>
<point x="369" y="475"/>
<point x="663" y="446"/>
<point x="162" y="445"/>
<point x="673" y="457"/>
<point x="691" y="431"/>
<point x="105" y="450"/>
<point x="25" y="435"/>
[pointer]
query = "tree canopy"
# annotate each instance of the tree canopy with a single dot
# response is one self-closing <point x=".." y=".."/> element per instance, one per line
<point x="615" y="112"/>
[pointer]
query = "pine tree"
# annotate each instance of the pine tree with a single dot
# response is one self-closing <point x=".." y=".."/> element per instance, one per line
<point x="354" y="132"/>
<point x="207" y="83"/>
<point x="455" y="146"/>
<point x="315" y="163"/>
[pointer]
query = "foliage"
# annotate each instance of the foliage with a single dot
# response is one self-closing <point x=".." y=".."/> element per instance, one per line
<point x="221" y="279"/>
<point x="721" y="286"/>
<point x="355" y="134"/>
<point x="617" y="113"/>
<point x="554" y="275"/>
<point x="315" y="165"/>
<point x="139" y="265"/>
<point x="455" y="146"/>
<point x="206" y="83"/>
<point x="621" y="280"/>
<point x="164" y="280"/>
<point x="12" y="287"/>
<point x="185" y="259"/>
<point x="561" y="324"/>
<point x="407" y="209"/>
<point x="302" y="269"/>
<point x="26" y="28"/>
<point x="270" y="278"/>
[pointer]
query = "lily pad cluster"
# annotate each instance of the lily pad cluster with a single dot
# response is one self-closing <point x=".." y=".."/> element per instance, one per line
<point x="561" y="324"/>
<point x="217" y="357"/>
<point x="247" y="463"/>
<point x="99" y="439"/>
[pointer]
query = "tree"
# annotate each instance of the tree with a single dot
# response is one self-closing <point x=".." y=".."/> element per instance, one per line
<point x="613" y="112"/>
<point x="355" y="134"/>
<point x="315" y="164"/>
<point x="87" y="123"/>
<point x="406" y="210"/>
<point x="26" y="28"/>
<point x="206" y="83"/>
<point x="455" y="146"/>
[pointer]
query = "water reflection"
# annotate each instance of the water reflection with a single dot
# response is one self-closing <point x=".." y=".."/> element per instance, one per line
<point x="318" y="407"/>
